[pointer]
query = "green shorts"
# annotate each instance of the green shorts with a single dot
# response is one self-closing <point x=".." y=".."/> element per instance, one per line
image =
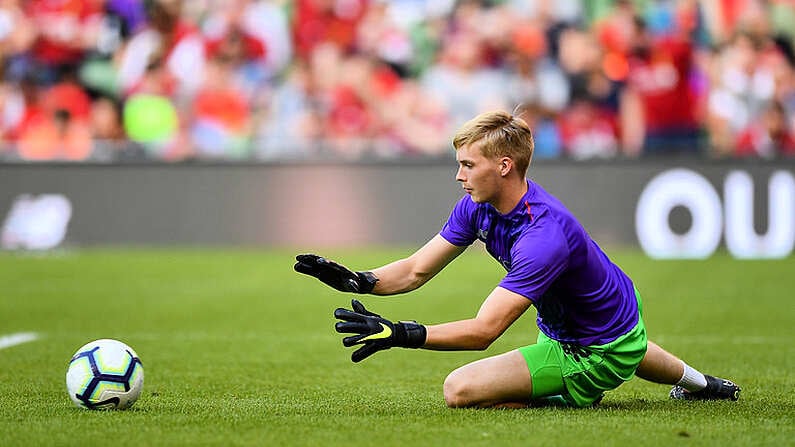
<point x="581" y="378"/>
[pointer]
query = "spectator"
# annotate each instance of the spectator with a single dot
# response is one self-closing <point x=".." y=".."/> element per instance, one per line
<point x="173" y="42"/>
<point x="546" y="134"/>
<point x="222" y="117"/>
<point x="55" y="137"/>
<point x="532" y="76"/>
<point x="57" y="127"/>
<point x="352" y="120"/>
<point x="464" y="84"/>
<point x="380" y="36"/>
<point x="559" y="11"/>
<point x="255" y="37"/>
<point x="768" y="137"/>
<point x="110" y="141"/>
<point x="414" y="121"/>
<point x="746" y="75"/>
<point x="588" y="131"/>
<point x="290" y="126"/>
<point x="17" y="35"/>
<point x="150" y="117"/>
<point x="65" y="30"/>
<point x="317" y="22"/>
<point x="12" y="109"/>
<point x="659" y="94"/>
<point x="120" y="21"/>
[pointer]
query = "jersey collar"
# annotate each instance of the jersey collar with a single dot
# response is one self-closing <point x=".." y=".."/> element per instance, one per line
<point x="522" y="207"/>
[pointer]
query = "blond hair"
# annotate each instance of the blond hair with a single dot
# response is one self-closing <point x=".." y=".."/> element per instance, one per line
<point x="499" y="134"/>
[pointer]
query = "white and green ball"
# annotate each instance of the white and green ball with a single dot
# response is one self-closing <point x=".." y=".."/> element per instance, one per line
<point x="105" y="374"/>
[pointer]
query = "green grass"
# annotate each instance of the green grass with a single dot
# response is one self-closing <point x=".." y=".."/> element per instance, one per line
<point x="239" y="350"/>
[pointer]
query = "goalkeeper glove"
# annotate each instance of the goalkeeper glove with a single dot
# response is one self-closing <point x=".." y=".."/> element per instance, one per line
<point x="335" y="275"/>
<point x="376" y="333"/>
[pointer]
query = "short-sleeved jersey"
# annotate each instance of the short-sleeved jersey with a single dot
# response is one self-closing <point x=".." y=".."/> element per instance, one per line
<point x="581" y="296"/>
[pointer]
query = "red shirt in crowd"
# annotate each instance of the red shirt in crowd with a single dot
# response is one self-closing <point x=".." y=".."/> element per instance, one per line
<point x="661" y="79"/>
<point x="318" y="21"/>
<point x="61" y="24"/>
<point x="755" y="141"/>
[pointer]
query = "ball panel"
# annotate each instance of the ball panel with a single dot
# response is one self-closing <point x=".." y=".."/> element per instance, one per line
<point x="113" y="362"/>
<point x="78" y="375"/>
<point x="137" y="378"/>
<point x="105" y="389"/>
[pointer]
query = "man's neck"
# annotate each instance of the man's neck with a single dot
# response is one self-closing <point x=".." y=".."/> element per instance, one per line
<point x="512" y="193"/>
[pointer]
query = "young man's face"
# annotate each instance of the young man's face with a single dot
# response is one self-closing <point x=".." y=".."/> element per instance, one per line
<point x="479" y="175"/>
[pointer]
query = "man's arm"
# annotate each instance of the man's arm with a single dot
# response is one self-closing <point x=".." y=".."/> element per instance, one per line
<point x="410" y="273"/>
<point x="398" y="277"/>
<point x="372" y="333"/>
<point x="500" y="309"/>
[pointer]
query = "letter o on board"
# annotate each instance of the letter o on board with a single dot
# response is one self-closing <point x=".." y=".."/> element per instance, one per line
<point x="672" y="188"/>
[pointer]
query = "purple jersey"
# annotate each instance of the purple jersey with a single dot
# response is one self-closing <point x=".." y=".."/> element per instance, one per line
<point x="580" y="295"/>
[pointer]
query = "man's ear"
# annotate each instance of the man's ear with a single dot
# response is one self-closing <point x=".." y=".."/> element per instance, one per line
<point x="505" y="166"/>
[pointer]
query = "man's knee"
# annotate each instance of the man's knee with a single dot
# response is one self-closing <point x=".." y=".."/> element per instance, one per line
<point x="457" y="390"/>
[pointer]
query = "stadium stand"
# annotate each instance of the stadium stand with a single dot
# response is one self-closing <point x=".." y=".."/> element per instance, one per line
<point x="173" y="80"/>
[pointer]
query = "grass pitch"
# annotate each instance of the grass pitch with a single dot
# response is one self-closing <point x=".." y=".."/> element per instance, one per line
<point x="240" y="350"/>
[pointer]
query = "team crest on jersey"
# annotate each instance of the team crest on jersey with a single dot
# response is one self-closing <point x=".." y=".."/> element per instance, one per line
<point x="482" y="234"/>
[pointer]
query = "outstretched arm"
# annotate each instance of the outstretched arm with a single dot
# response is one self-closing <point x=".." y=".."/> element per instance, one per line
<point x="410" y="273"/>
<point x="501" y="308"/>
<point x="397" y="277"/>
<point x="373" y="333"/>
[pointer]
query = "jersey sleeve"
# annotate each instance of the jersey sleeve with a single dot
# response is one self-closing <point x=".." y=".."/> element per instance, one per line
<point x="459" y="229"/>
<point x="537" y="260"/>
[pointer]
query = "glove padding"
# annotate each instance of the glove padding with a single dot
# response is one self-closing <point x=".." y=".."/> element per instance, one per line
<point x="335" y="275"/>
<point x="374" y="332"/>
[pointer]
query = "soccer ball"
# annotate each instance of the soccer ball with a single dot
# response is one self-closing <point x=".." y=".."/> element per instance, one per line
<point x="105" y="374"/>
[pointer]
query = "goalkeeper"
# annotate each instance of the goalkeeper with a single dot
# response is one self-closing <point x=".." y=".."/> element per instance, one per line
<point x="592" y="336"/>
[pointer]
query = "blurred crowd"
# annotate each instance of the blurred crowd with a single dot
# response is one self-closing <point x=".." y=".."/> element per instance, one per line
<point x="282" y="80"/>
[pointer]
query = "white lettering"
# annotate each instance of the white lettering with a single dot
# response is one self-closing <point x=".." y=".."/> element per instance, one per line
<point x="686" y="188"/>
<point x="741" y="239"/>
<point x="679" y="187"/>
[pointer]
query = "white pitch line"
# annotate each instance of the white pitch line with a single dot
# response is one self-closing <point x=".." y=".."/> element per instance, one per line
<point x="6" y="341"/>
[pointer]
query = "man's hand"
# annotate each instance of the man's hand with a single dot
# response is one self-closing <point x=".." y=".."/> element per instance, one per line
<point x="335" y="275"/>
<point x="374" y="332"/>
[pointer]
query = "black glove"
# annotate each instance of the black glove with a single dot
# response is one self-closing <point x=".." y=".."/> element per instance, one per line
<point x="334" y="274"/>
<point x="374" y="332"/>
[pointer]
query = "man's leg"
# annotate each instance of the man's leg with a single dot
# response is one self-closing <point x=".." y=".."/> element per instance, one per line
<point x="660" y="366"/>
<point x="499" y="381"/>
<point x="534" y="375"/>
